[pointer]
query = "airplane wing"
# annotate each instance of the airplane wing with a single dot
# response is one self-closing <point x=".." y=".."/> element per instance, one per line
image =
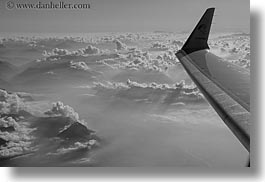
<point x="225" y="85"/>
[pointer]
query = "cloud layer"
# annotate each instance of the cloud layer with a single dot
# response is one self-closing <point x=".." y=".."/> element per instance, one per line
<point x="150" y="92"/>
<point x="139" y="60"/>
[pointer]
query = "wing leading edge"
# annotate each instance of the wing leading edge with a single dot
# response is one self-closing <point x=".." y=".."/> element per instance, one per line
<point x="224" y="85"/>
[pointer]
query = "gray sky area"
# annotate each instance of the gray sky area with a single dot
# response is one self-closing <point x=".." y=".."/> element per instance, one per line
<point x="126" y="16"/>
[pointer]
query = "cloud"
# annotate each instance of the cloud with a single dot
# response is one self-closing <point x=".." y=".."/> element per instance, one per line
<point x="10" y="103"/>
<point x="77" y="146"/>
<point x="13" y="150"/>
<point x="8" y="122"/>
<point x="60" y="52"/>
<point x="242" y="62"/>
<point x="139" y="60"/>
<point x="234" y="48"/>
<point x="168" y="57"/>
<point x="150" y="92"/>
<point x="18" y="138"/>
<point x="177" y="43"/>
<point x="159" y="46"/>
<point x="18" y="141"/>
<point x="79" y="65"/>
<point x="120" y="45"/>
<point x="56" y="53"/>
<point x="91" y="50"/>
<point x="1" y="44"/>
<point x="3" y="94"/>
<point x="59" y="109"/>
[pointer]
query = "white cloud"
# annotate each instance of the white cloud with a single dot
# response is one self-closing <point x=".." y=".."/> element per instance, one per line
<point x="1" y="43"/>
<point x="75" y="147"/>
<point x="10" y="103"/>
<point x="242" y="62"/>
<point x="91" y="50"/>
<point x="150" y="92"/>
<point x="18" y="141"/>
<point x="59" y="109"/>
<point x="79" y="65"/>
<point x="60" y="52"/>
<point x="8" y="122"/>
<point x="138" y="60"/>
<point x="159" y="46"/>
<point x="177" y="43"/>
<point x="57" y="54"/>
<point x="3" y="94"/>
<point x="233" y="48"/>
<point x="120" y="45"/>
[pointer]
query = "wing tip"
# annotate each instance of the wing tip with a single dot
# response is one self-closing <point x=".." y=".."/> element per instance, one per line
<point x="199" y="36"/>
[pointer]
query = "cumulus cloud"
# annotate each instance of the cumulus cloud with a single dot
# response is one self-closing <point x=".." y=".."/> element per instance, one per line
<point x="60" y="52"/>
<point x="79" y="65"/>
<point x="91" y="50"/>
<point x="13" y="150"/>
<point x="234" y="48"/>
<point x="15" y="133"/>
<point x="1" y="44"/>
<point x="10" y="103"/>
<point x="110" y="37"/>
<point x="168" y="57"/>
<point x="242" y="62"/>
<point x="177" y="43"/>
<point x="232" y="44"/>
<point x="16" y="102"/>
<point x="75" y="147"/>
<point x="6" y="122"/>
<point x="159" y="46"/>
<point x="150" y="92"/>
<point x="139" y="60"/>
<point x="18" y="140"/>
<point x="120" y="45"/>
<point x="56" y="53"/>
<point x="3" y="94"/>
<point x="59" y="109"/>
<point x="132" y="37"/>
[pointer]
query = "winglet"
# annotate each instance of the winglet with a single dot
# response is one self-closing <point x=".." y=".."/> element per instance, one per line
<point x="199" y="36"/>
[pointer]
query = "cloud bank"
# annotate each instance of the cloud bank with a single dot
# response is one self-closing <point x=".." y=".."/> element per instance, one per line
<point x="150" y="92"/>
<point x="138" y="60"/>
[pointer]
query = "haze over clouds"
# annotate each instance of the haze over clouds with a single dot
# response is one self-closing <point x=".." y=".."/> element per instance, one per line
<point x="129" y="91"/>
<point x="103" y="87"/>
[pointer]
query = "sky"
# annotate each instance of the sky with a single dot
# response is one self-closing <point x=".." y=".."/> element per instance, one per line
<point x="126" y="16"/>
